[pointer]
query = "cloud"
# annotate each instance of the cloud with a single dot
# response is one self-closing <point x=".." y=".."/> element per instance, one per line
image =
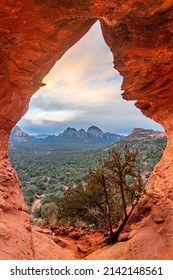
<point x="40" y="117"/>
<point x="83" y="89"/>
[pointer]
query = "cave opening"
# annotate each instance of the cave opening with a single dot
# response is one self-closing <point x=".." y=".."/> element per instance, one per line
<point x="34" y="35"/>
<point x="81" y="90"/>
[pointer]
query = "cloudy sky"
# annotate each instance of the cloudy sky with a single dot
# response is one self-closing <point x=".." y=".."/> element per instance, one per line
<point x="81" y="90"/>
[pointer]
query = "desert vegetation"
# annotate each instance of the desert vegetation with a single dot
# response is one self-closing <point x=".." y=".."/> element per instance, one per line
<point x="47" y="172"/>
<point x="101" y="198"/>
<point x="87" y="188"/>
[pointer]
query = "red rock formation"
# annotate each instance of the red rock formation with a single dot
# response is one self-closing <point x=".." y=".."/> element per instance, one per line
<point x="15" y="230"/>
<point x="46" y="249"/>
<point x="33" y="36"/>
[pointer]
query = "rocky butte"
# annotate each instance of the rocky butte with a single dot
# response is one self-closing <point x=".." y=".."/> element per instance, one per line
<point x="34" y="34"/>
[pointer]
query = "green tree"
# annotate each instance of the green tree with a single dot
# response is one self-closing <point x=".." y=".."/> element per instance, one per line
<point x="76" y="204"/>
<point x="102" y="198"/>
<point x="125" y="176"/>
<point x="98" y="186"/>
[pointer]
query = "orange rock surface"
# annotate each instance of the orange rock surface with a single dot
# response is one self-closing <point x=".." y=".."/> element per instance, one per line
<point x="33" y="36"/>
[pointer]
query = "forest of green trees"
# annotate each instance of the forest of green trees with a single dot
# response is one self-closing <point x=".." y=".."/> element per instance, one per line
<point x="44" y="172"/>
<point x="60" y="178"/>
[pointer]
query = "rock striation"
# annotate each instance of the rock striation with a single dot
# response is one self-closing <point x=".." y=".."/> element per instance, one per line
<point x="33" y="36"/>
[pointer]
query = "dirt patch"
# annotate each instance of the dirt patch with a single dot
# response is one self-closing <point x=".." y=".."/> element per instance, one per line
<point x="81" y="242"/>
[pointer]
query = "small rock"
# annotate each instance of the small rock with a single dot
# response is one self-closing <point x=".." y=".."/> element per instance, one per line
<point x="123" y="237"/>
<point x="80" y="250"/>
<point x="131" y="234"/>
<point x="156" y="216"/>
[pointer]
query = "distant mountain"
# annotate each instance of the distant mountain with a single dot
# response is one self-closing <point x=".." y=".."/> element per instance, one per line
<point x="18" y="135"/>
<point x="71" y="138"/>
<point x="93" y="135"/>
<point x="150" y="145"/>
<point x="93" y="138"/>
<point x="142" y="139"/>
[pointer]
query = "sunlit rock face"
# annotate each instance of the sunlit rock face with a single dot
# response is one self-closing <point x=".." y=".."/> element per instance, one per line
<point x="34" y="34"/>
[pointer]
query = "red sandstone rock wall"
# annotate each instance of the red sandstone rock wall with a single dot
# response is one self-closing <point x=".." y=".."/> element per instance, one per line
<point x="34" y="34"/>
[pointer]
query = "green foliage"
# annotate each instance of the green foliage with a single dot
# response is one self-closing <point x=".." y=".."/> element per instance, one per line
<point x="44" y="172"/>
<point x="124" y="174"/>
<point x="40" y="172"/>
<point x="118" y="180"/>
<point x="75" y="205"/>
<point x="99" y="186"/>
<point x="103" y="196"/>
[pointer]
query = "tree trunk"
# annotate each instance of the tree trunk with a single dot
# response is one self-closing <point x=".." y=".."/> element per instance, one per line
<point x="107" y="205"/>
<point x="114" y="238"/>
<point x="123" y="197"/>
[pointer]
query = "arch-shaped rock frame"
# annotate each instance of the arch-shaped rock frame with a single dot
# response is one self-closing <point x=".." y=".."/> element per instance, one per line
<point x="34" y="34"/>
